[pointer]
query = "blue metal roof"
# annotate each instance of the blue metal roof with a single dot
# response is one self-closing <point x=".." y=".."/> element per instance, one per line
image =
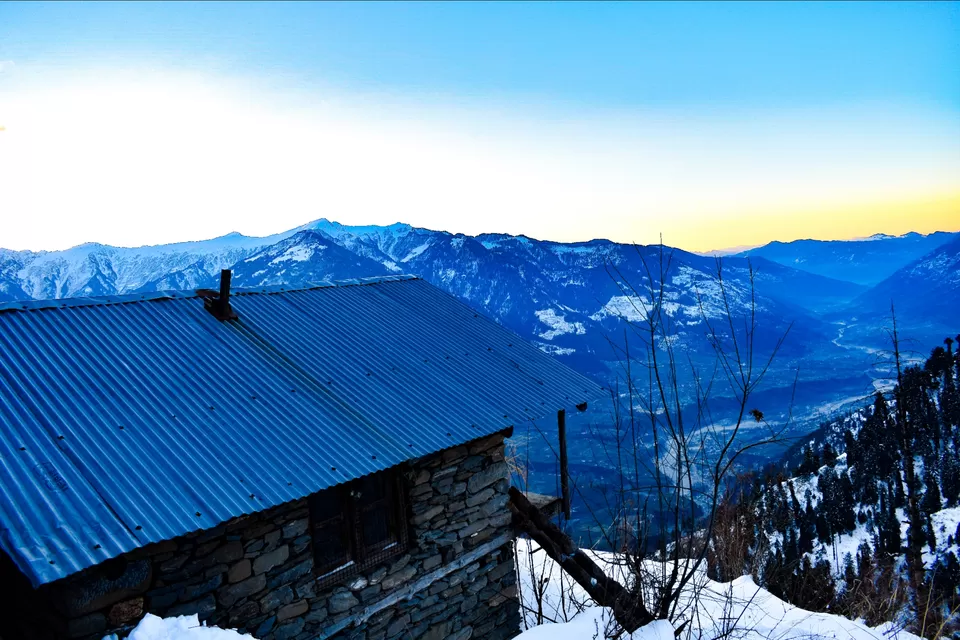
<point x="134" y="419"/>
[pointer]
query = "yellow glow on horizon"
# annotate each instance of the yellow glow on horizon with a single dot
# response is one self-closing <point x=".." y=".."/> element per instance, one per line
<point x="831" y="221"/>
<point x="151" y="159"/>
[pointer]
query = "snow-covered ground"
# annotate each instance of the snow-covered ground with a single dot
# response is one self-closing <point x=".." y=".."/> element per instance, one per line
<point x="180" y="628"/>
<point x="737" y="610"/>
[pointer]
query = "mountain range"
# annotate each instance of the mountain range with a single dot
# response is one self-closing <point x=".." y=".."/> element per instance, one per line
<point x="574" y="300"/>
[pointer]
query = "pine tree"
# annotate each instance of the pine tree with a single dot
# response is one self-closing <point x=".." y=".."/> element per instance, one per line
<point x="950" y="477"/>
<point x="807" y="530"/>
<point x="930" y="534"/>
<point x="791" y="552"/>
<point x="829" y="455"/>
<point x="931" y="501"/>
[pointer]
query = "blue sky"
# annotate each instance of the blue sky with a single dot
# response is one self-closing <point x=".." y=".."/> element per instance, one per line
<point x="687" y="55"/>
<point x="573" y="77"/>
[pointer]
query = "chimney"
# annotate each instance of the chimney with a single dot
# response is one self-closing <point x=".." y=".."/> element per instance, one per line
<point x="220" y="306"/>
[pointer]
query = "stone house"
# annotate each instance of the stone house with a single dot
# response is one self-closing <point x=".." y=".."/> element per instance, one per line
<point x="295" y="463"/>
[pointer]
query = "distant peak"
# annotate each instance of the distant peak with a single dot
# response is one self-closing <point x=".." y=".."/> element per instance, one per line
<point x="334" y="227"/>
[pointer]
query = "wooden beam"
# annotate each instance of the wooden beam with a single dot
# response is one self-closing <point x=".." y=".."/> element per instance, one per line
<point x="627" y="606"/>
<point x="564" y="471"/>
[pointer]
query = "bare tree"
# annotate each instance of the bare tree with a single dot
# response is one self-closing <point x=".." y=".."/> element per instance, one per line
<point x="674" y="459"/>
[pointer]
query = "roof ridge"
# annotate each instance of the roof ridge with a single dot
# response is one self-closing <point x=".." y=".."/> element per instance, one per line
<point x="173" y="294"/>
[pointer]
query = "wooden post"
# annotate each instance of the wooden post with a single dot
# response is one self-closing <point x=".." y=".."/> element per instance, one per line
<point x="564" y="476"/>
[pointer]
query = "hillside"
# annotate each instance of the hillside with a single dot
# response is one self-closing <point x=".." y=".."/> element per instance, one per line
<point x="865" y="262"/>
<point x="866" y="520"/>
<point x="927" y="288"/>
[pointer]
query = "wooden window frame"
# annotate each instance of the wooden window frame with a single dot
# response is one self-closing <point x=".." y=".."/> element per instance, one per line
<point x="357" y="556"/>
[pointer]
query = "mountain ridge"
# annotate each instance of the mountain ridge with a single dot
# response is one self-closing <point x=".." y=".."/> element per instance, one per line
<point x="573" y="300"/>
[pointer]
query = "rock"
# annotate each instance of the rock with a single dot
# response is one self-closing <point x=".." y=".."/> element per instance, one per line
<point x="239" y="571"/>
<point x="272" y="539"/>
<point x="481" y="445"/>
<point x="464" y="634"/>
<point x="427" y="515"/>
<point x="203" y="607"/>
<point x="258" y="531"/>
<point x="400" y="563"/>
<point x="174" y="563"/>
<point x="160" y="599"/>
<point x="289" y="630"/>
<point x="490" y="475"/>
<point x="479" y="498"/>
<point x="378" y="575"/>
<point x="230" y="594"/>
<point x="398" y="626"/>
<point x="317" y="614"/>
<point x="370" y="592"/>
<point x="292" y="610"/>
<point x="271" y="559"/>
<point x="396" y="579"/>
<point x="471" y="529"/>
<point x="357" y="583"/>
<point x="452" y="454"/>
<point x="193" y="592"/>
<point x="343" y="601"/>
<point x="307" y="589"/>
<point x="501" y="519"/>
<point x="276" y="598"/>
<point x="89" y="624"/>
<point x="206" y="548"/>
<point x="265" y="627"/>
<point x="300" y="544"/>
<point x="497" y="504"/>
<point x="124" y="613"/>
<point x="230" y="552"/>
<point x="295" y="528"/>
<point x="293" y="573"/>
<point x="432" y="562"/>
<point x="244" y="612"/>
<point x="438" y="631"/>
<point x="447" y="472"/>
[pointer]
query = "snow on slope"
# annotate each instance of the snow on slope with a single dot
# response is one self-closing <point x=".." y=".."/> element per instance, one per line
<point x="738" y="610"/>
<point x="152" y="627"/>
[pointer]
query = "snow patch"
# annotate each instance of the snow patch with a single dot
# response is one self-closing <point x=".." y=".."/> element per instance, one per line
<point x="737" y="609"/>
<point x="298" y="253"/>
<point x="553" y="349"/>
<point x="415" y="252"/>
<point x="558" y="324"/>
<point x="180" y="628"/>
<point x="631" y="308"/>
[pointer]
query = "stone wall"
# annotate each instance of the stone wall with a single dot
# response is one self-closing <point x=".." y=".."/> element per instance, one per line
<point x="456" y="580"/>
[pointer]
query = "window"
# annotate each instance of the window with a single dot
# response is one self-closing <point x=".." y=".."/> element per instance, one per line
<point x="358" y="524"/>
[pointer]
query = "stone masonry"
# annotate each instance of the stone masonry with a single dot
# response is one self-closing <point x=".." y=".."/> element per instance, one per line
<point x="456" y="580"/>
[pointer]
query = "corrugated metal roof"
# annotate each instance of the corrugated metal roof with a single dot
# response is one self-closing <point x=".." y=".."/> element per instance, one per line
<point x="135" y="419"/>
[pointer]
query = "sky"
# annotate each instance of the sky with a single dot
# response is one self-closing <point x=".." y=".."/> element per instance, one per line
<point x="711" y="125"/>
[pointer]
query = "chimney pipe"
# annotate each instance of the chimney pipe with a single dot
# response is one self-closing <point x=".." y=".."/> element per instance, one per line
<point x="224" y="300"/>
<point x="220" y="307"/>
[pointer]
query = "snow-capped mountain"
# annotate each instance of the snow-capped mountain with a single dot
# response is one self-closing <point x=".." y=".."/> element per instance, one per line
<point x="866" y="261"/>
<point x="927" y="287"/>
<point x="573" y="300"/>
